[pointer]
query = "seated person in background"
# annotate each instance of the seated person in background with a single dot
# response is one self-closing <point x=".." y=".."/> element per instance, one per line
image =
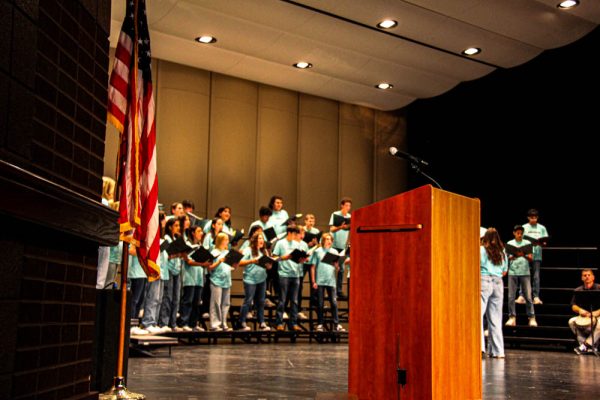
<point x="582" y="325"/>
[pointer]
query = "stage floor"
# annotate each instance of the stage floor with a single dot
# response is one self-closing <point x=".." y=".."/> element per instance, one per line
<point x="299" y="371"/>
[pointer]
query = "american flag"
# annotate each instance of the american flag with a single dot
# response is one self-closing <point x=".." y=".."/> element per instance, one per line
<point x="131" y="110"/>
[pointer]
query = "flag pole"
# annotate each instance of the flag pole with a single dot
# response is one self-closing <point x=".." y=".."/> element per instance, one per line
<point x="119" y="391"/>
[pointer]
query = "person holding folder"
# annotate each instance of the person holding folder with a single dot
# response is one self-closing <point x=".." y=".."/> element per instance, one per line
<point x="520" y="254"/>
<point x="325" y="260"/>
<point x="220" y="284"/>
<point x="339" y="226"/>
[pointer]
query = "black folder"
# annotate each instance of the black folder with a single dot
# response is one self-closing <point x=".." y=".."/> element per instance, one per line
<point x="339" y="220"/>
<point x="233" y="257"/>
<point x="308" y="237"/>
<point x="177" y="246"/>
<point x="264" y="260"/>
<point x="270" y="234"/>
<point x="201" y="255"/>
<point x="298" y="254"/>
<point x="518" y="251"/>
<point x="330" y="258"/>
<point x="537" y="242"/>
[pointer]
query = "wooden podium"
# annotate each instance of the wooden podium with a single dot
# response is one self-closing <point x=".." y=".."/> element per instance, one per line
<point x="415" y="298"/>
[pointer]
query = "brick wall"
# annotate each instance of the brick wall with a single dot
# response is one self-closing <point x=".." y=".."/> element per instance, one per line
<point x="55" y="63"/>
<point x="53" y="81"/>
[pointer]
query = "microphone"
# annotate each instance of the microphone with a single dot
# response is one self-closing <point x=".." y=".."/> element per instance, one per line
<point x="400" y="154"/>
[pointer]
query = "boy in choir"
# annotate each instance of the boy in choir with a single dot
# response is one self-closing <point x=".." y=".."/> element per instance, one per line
<point x="518" y="275"/>
<point x="325" y="281"/>
<point x="536" y="231"/>
<point x="220" y="285"/>
<point x="341" y="233"/>
<point x="304" y="268"/>
<point x="278" y="216"/>
<point x="264" y="214"/>
<point x="289" y="270"/>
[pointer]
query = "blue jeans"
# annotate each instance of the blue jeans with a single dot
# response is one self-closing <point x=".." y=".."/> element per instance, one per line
<point x="288" y="290"/>
<point x="170" y="302"/>
<point x="331" y="294"/>
<point x="254" y="293"/>
<point x="152" y="303"/>
<point x="513" y="285"/>
<point x="492" y="296"/>
<point x="137" y="286"/>
<point x="190" y="305"/>
<point x="534" y="269"/>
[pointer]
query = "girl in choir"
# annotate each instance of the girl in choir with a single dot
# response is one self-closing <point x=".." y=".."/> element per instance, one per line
<point x="193" y="281"/>
<point x="220" y="285"/>
<point x="325" y="281"/>
<point x="493" y="266"/>
<point x="224" y="214"/>
<point x="216" y="226"/>
<point x="172" y="286"/>
<point x="255" y="278"/>
<point x="253" y="230"/>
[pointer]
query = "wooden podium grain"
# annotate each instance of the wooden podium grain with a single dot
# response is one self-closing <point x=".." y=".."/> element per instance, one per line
<point x="415" y="297"/>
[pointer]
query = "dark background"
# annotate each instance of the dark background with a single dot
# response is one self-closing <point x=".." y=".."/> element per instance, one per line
<point x="521" y="138"/>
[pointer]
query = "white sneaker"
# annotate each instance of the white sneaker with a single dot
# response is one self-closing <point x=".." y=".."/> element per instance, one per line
<point x="537" y="301"/>
<point x="216" y="329"/>
<point x="177" y="329"/>
<point x="166" y="329"/>
<point x="249" y="315"/>
<point x="245" y="328"/>
<point x="319" y="328"/>
<point x="198" y="329"/>
<point x="302" y="316"/>
<point x="155" y="330"/>
<point x="227" y="328"/>
<point x="520" y="300"/>
<point x="340" y="328"/>
<point x="264" y="327"/>
<point x="512" y="321"/>
<point x="532" y="322"/>
<point x="138" y="331"/>
<point x="186" y="328"/>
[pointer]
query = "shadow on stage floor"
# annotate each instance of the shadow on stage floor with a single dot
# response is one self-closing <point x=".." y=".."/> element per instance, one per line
<point x="299" y="371"/>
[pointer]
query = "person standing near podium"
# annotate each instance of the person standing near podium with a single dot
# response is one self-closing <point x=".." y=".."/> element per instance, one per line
<point x="341" y="233"/>
<point x="582" y="324"/>
<point x="494" y="265"/>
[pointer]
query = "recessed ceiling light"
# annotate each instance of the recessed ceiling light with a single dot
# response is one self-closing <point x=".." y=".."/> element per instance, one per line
<point x="384" y="86"/>
<point x="303" y="65"/>
<point x="471" y="51"/>
<point x="567" y="4"/>
<point x="387" y="24"/>
<point x="206" y="39"/>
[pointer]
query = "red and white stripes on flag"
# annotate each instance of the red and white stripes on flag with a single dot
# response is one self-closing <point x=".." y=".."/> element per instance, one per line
<point x="131" y="110"/>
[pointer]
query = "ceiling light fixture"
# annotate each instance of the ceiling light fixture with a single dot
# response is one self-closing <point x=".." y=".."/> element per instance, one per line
<point x="384" y="86"/>
<point x="303" y="65"/>
<point x="387" y="24"/>
<point x="471" y="51"/>
<point x="568" y="4"/>
<point x="206" y="39"/>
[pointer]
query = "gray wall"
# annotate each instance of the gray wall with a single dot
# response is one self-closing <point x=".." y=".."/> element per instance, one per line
<point x="228" y="141"/>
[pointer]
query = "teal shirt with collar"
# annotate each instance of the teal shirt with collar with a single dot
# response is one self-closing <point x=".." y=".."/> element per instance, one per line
<point x="192" y="275"/>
